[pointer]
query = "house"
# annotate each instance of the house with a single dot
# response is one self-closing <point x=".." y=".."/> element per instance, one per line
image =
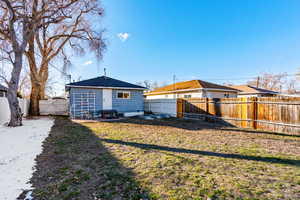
<point x="3" y="91"/>
<point x="251" y="91"/>
<point x="103" y="94"/>
<point x="192" y="89"/>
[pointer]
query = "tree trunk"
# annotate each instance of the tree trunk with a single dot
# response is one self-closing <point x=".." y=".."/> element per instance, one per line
<point x="15" y="110"/>
<point x="34" y="108"/>
<point x="44" y="79"/>
<point x="42" y="91"/>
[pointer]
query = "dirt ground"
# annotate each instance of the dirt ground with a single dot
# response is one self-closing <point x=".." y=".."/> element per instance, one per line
<point x="165" y="159"/>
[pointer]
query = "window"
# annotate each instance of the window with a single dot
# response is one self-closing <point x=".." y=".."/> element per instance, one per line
<point x="123" y="95"/>
<point x="187" y="96"/>
<point x="226" y="95"/>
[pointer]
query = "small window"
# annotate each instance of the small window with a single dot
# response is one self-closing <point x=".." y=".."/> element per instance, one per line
<point x="226" y="95"/>
<point x="187" y="96"/>
<point x="123" y="95"/>
<point x="2" y="94"/>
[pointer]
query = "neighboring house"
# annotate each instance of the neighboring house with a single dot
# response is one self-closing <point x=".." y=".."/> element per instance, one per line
<point x="3" y="91"/>
<point x="251" y="91"/>
<point x="105" y="93"/>
<point x="192" y="89"/>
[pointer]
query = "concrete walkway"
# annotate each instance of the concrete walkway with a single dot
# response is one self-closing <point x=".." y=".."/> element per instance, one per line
<point x="18" y="149"/>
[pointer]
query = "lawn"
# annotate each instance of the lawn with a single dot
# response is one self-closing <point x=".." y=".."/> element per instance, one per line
<point x="165" y="159"/>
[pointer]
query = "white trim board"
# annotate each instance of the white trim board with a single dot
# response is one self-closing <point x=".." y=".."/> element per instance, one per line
<point x="194" y="89"/>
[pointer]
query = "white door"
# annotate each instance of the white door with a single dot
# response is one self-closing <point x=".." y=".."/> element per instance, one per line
<point x="107" y="99"/>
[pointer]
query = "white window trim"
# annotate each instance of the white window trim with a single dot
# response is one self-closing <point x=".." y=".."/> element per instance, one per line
<point x="129" y="95"/>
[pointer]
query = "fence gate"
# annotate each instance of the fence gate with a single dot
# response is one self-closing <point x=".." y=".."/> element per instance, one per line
<point x="83" y="105"/>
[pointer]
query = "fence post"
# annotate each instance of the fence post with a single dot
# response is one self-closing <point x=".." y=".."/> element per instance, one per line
<point x="206" y="118"/>
<point x="244" y="112"/>
<point x="207" y="106"/>
<point x="254" y="112"/>
<point x="180" y="111"/>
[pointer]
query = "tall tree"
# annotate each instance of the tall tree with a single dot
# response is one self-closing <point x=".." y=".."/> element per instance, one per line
<point x="19" y="22"/>
<point x="74" y="32"/>
<point x="17" y="25"/>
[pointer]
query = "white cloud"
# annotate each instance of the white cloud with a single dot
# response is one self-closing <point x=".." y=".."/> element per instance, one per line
<point x="123" y="36"/>
<point x="88" y="62"/>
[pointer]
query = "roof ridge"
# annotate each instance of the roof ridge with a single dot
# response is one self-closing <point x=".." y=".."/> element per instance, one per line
<point x="199" y="83"/>
<point x="105" y="81"/>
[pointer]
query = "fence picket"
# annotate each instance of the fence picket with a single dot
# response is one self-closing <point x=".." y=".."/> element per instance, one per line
<point x="265" y="113"/>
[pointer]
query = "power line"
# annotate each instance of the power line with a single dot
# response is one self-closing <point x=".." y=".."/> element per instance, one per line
<point x="228" y="79"/>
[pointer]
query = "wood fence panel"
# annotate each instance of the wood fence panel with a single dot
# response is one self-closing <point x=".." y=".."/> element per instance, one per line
<point x="266" y="113"/>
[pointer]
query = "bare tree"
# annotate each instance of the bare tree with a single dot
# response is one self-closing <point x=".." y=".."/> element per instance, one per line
<point x="151" y="85"/>
<point x="291" y="86"/>
<point x="19" y="22"/>
<point x="16" y="27"/>
<point x="25" y="84"/>
<point x="270" y="81"/>
<point x="54" y="40"/>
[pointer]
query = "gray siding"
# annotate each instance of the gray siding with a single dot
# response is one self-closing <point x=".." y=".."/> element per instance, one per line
<point x="135" y="103"/>
<point x="98" y="99"/>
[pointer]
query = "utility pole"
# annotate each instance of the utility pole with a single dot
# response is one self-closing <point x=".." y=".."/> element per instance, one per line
<point x="104" y="71"/>
<point x="257" y="82"/>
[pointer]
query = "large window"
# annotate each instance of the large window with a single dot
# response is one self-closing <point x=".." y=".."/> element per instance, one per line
<point x="123" y="95"/>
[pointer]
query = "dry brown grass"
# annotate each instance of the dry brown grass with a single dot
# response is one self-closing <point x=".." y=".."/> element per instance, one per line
<point x="165" y="159"/>
<point x="180" y="159"/>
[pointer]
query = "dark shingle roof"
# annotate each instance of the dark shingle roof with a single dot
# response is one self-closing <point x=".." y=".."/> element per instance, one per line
<point x="104" y="81"/>
<point x="2" y="88"/>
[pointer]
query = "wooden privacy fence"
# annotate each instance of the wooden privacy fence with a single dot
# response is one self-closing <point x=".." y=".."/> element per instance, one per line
<point x="264" y="113"/>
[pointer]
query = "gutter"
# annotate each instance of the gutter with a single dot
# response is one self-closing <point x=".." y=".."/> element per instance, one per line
<point x="258" y="93"/>
<point x="186" y="90"/>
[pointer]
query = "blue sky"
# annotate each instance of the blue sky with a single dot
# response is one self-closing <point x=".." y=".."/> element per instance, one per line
<point x="215" y="40"/>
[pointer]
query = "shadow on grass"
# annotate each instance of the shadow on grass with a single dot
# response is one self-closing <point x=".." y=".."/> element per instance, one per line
<point x="196" y="125"/>
<point x="206" y="153"/>
<point x="186" y="124"/>
<point x="257" y="132"/>
<point x="75" y="164"/>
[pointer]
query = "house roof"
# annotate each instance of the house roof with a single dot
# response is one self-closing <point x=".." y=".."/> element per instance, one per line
<point x="248" y="89"/>
<point x="189" y="85"/>
<point x="104" y="82"/>
<point x="2" y="88"/>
